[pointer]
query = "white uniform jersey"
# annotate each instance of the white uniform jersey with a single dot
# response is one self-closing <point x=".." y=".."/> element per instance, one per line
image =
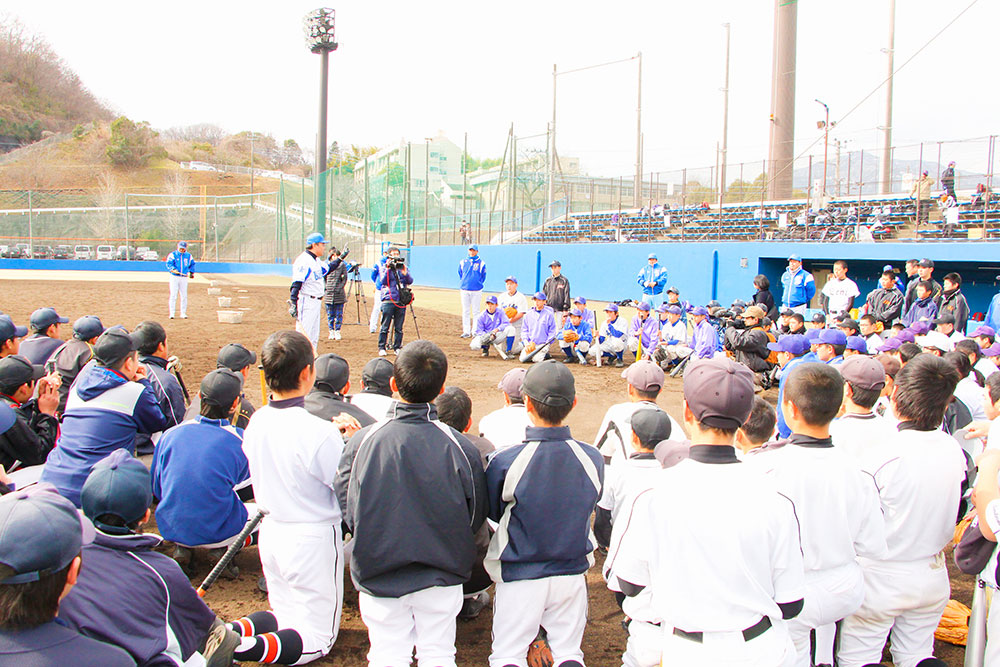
<point x="505" y="427"/>
<point x="293" y="459"/>
<point x="680" y="538"/>
<point x="973" y="396"/>
<point x="677" y="331"/>
<point x="919" y="476"/>
<point x="836" y="503"/>
<point x="873" y="342"/>
<point x="516" y="300"/>
<point x="614" y="437"/>
<point x="311" y="272"/>
<point x="986" y="367"/>
<point x="858" y="434"/>
<point x="376" y="405"/>
<point x="839" y="292"/>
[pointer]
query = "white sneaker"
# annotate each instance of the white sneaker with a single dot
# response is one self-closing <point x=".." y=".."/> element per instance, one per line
<point x="382" y="353"/>
<point x="184" y="317"/>
<point x="171" y="317"/>
<point x="330" y="337"/>
<point x="371" y="329"/>
<point x="336" y="335"/>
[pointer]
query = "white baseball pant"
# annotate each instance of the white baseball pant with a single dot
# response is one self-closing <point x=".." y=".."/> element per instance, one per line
<point x="774" y="648"/>
<point x="643" y="646"/>
<point x="470" y="308"/>
<point x="678" y="351"/>
<point x="800" y="309"/>
<point x="376" y="317"/>
<point x="633" y="345"/>
<point x="501" y="340"/>
<point x="575" y="349"/>
<point x="610" y="345"/>
<point x="178" y="286"/>
<point x="559" y="604"/>
<point x="307" y="322"/>
<point x="903" y="601"/>
<point x="424" y="620"/>
<point x="539" y="356"/>
<point x="303" y="564"/>
<point x="830" y="596"/>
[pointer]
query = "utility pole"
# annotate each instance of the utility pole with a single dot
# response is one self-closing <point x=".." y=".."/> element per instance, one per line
<point x="826" y="149"/>
<point x="637" y="190"/>
<point x="725" y="119"/>
<point x="465" y="171"/>
<point x="552" y="148"/>
<point x="781" y="152"/>
<point x="251" y="167"/>
<point x="887" y="129"/>
<point x="837" y="173"/>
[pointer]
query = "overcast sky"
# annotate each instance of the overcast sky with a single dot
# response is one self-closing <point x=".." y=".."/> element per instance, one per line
<point x="407" y="70"/>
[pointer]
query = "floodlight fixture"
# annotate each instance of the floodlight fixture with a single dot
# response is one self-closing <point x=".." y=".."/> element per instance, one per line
<point x="319" y="30"/>
<point x="318" y="26"/>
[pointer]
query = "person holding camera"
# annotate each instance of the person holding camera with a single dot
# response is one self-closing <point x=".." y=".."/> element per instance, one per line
<point x="747" y="339"/>
<point x="393" y="282"/>
<point x="334" y="295"/>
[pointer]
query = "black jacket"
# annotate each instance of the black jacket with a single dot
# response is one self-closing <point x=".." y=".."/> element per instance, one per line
<point x="556" y="289"/>
<point x="336" y="279"/>
<point x="954" y="304"/>
<point x="68" y="361"/>
<point x="948" y="178"/>
<point x="326" y="404"/>
<point x="749" y="347"/>
<point x="413" y="493"/>
<point x="885" y="305"/>
<point x="168" y="393"/>
<point x="765" y="300"/>
<point x="30" y="439"/>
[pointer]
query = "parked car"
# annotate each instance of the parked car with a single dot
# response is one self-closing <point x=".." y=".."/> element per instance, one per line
<point x="23" y="250"/>
<point x="125" y="253"/>
<point x="62" y="252"/>
<point x="9" y="252"/>
<point x="83" y="252"/>
<point x="105" y="252"/>
<point x="150" y="256"/>
<point x="41" y="252"/>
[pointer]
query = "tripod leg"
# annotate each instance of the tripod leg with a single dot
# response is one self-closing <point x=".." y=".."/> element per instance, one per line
<point x="413" y="315"/>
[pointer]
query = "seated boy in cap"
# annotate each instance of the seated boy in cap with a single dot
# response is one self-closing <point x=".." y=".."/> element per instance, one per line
<point x="375" y="396"/>
<point x="10" y="336"/>
<point x="40" y="345"/>
<point x="716" y="609"/>
<point x="575" y="338"/>
<point x="836" y="505"/>
<point x="151" y="344"/>
<point x="40" y="542"/>
<point x="855" y="345"/>
<point x="127" y="593"/>
<point x="859" y="428"/>
<point x="830" y="346"/>
<point x="492" y="327"/>
<point x="505" y="427"/>
<point x="542" y="548"/>
<point x="74" y="354"/>
<point x="238" y="359"/>
<point x="539" y="330"/>
<point x="919" y="473"/>
<point x="705" y="339"/>
<point x="672" y="345"/>
<point x="589" y="316"/>
<point x="643" y="332"/>
<point x="328" y="397"/>
<point x="791" y="350"/>
<point x="199" y="469"/>
<point x="109" y="403"/>
<point x="34" y="434"/>
<point x="611" y="341"/>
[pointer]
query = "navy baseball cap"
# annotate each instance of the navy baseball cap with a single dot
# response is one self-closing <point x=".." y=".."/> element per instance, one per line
<point x="819" y="317"/>
<point x="46" y="317"/>
<point x="611" y="308"/>
<point x="113" y="345"/>
<point x="674" y="290"/>
<point x="87" y="327"/>
<point x="119" y="485"/>
<point x="223" y="386"/>
<point x="540" y="296"/>
<point x="642" y="305"/>
<point x="315" y="237"/>
<point x="786" y="312"/>
<point x="832" y="337"/>
<point x="473" y="246"/>
<point x="555" y="262"/>
<point x="796" y="344"/>
<point x="580" y="300"/>
<point x="551" y="383"/>
<point x="699" y="310"/>
<point x="946" y="318"/>
<point x="858" y="344"/>
<point x="510" y="279"/>
<point x="235" y="357"/>
<point x="889" y="345"/>
<point x="16" y="370"/>
<point x="848" y="323"/>
<point x="9" y="330"/>
<point x="926" y="263"/>
<point x="377" y="373"/>
<point x="332" y="371"/>
<point x="40" y="533"/>
<point x="652" y="426"/>
<point x="182" y="244"/>
<point x="794" y="258"/>
<point x="492" y="299"/>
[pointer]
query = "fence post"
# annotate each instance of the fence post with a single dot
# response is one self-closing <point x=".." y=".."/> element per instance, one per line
<point x="215" y="205"/>
<point x="31" y="250"/>
<point x="684" y="190"/>
<point x="126" y="227"/>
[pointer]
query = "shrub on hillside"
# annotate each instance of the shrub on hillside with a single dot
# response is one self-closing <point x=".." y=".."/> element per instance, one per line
<point x="132" y="144"/>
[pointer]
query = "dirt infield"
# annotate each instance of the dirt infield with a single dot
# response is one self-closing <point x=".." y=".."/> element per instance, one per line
<point x="197" y="340"/>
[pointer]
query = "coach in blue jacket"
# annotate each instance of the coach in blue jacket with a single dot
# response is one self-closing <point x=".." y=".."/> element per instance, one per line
<point x="799" y="286"/>
<point x="652" y="278"/>
<point x="472" y="276"/>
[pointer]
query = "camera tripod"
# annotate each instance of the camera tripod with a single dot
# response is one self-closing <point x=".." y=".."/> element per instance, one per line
<point x="355" y="284"/>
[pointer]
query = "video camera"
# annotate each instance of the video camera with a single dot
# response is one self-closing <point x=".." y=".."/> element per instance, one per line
<point x="395" y="263"/>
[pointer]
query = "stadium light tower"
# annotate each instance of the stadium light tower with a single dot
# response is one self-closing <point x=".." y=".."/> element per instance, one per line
<point x="825" y="125"/>
<point x="319" y="29"/>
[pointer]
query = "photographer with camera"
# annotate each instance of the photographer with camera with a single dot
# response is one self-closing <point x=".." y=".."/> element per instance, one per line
<point x="747" y="340"/>
<point x="393" y="282"/>
<point x="335" y="296"/>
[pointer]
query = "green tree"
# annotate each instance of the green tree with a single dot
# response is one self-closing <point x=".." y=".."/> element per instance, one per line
<point x="131" y="144"/>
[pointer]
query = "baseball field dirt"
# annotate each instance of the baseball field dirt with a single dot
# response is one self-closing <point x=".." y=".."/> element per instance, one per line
<point x="120" y="299"/>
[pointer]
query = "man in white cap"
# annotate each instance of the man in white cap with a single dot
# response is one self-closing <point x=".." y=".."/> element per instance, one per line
<point x="305" y="301"/>
<point x="652" y="278"/>
<point x="180" y="265"/>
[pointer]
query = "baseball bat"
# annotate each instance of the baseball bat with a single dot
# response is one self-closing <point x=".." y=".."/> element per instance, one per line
<point x="531" y="355"/>
<point x="230" y="553"/>
<point x="180" y="380"/>
<point x="263" y="385"/>
<point x="975" y="643"/>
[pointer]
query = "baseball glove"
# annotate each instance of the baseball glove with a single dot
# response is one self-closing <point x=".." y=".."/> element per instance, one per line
<point x="530" y="347"/>
<point x="510" y="312"/>
<point x="571" y="336"/>
<point x="539" y="653"/>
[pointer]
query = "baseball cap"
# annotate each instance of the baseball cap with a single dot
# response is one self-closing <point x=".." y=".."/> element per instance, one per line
<point x="492" y="299"/>
<point x="512" y="383"/>
<point x="786" y="312"/>
<point x="890" y="345"/>
<point x="888" y="267"/>
<point x="87" y="327"/>
<point x="182" y="244"/>
<point x="831" y="337"/>
<point x="926" y="263"/>
<point x="906" y="336"/>
<point x="473" y="246"/>
<point x="858" y="344"/>
<point x="642" y="305"/>
<point x="819" y="317"/>
<point x="754" y="311"/>
<point x="937" y="340"/>
<point x="9" y="330"/>
<point x="652" y="255"/>
<point x="46" y="317"/>
<point x="576" y="312"/>
<point x="16" y="370"/>
<point x="719" y="392"/>
<point x="332" y="371"/>
<point x="221" y="387"/>
<point x="992" y="351"/>
<point x="315" y="237"/>
<point x="699" y="310"/>
<point x="540" y="296"/>
<point x="920" y="327"/>
<point x="676" y="310"/>
<point x="674" y="290"/>
<point x="551" y="383"/>
<point x="794" y="258"/>
<point x="812" y="335"/>
<point x="797" y="344"/>
<point x="946" y="318"/>
<point x="651" y="425"/>
<point x="611" y="308"/>
<point x="119" y="485"/>
<point x="40" y="532"/>
<point x="235" y="357"/>
<point x="981" y="330"/>
<point x="662" y="308"/>
<point x="113" y="345"/>
<point x="848" y="323"/>
<point x="555" y="262"/>
<point x="644" y="375"/>
<point x="510" y="279"/>
<point x="580" y="300"/>
<point x="863" y="372"/>
<point x="377" y="373"/>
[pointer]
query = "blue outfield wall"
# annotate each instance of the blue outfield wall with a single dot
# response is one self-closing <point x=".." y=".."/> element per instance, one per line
<point x="112" y="265"/>
<point x="702" y="271"/>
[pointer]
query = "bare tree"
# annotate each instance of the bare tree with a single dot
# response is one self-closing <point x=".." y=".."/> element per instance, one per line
<point x="176" y="186"/>
<point x="110" y="194"/>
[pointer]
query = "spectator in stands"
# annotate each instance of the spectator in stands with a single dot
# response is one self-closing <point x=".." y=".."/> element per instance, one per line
<point x="652" y="278"/>
<point x="885" y="302"/>
<point x="748" y="340"/>
<point x="465" y="232"/>
<point x="979" y="197"/>
<point x="953" y="302"/>
<point x="557" y="295"/>
<point x="925" y="271"/>
<point x="45" y="340"/>
<point x="763" y="297"/>
<point x="921" y="192"/>
<point x="839" y="292"/>
<point x="868" y="328"/>
<point x="948" y="180"/>
<point x="798" y="285"/>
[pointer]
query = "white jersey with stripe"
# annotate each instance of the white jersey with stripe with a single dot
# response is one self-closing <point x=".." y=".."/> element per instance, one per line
<point x="311" y="272"/>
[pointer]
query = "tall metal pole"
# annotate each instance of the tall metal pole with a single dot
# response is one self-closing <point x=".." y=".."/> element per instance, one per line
<point x="887" y="130"/>
<point x="826" y="149"/>
<point x="550" y="197"/>
<point x="319" y="171"/>
<point x="637" y="190"/>
<point x="465" y="171"/>
<point x="782" y="136"/>
<point x="368" y="210"/>
<point x="725" y="118"/>
<point x="251" y="168"/>
<point x="836" y="176"/>
<point x="427" y="178"/>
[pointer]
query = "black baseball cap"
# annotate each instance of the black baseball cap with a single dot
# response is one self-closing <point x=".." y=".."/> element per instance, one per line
<point x="946" y="318"/>
<point x="551" y="383"/>
<point x="118" y="485"/>
<point x="221" y="387"/>
<point x="377" y="373"/>
<point x="114" y="345"/>
<point x="651" y="425"/>
<point x="555" y="262"/>
<point x="819" y="317"/>
<point x="43" y="318"/>
<point x="235" y="357"/>
<point x="16" y="370"/>
<point x="719" y="392"/>
<point x="87" y="327"/>
<point x="332" y="372"/>
<point x="926" y="263"/>
<point x="9" y="330"/>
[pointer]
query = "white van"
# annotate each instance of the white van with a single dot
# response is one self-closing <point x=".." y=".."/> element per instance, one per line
<point x="83" y="252"/>
<point x="105" y="252"/>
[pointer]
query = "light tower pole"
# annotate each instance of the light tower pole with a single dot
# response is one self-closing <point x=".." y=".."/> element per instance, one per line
<point x="887" y="131"/>
<point x="319" y="29"/>
<point x="826" y="147"/>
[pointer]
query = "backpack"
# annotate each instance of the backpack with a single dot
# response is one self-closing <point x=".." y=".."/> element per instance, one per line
<point x="772" y="358"/>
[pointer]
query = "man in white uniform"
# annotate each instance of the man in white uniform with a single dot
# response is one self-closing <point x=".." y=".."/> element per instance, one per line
<point x="515" y="305"/>
<point x="180" y="265"/>
<point x="505" y="427"/>
<point x="839" y="291"/>
<point x="308" y="283"/>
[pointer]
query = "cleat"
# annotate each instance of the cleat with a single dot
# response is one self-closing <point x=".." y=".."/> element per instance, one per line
<point x="231" y="571"/>
<point x="619" y="363"/>
<point x="262" y="584"/>
<point x="486" y="351"/>
<point x="471" y="606"/>
<point x="220" y="646"/>
<point x="184" y="557"/>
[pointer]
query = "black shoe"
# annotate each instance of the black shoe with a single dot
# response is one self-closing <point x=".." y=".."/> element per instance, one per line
<point x="262" y="584"/>
<point x="184" y="557"/>
<point x="471" y="607"/>
<point x="619" y="363"/>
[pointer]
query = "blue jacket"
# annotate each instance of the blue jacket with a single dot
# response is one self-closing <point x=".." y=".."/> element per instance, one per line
<point x="993" y="314"/>
<point x="584" y="331"/>
<point x="472" y="273"/>
<point x="539" y="326"/>
<point x="783" y="429"/>
<point x="168" y="393"/>
<point x="386" y="282"/>
<point x="134" y="597"/>
<point x="196" y="467"/>
<point x="103" y="413"/>
<point x="542" y="492"/>
<point x="487" y="323"/>
<point x="705" y="340"/>
<point x="799" y="288"/>
<point x="180" y="263"/>
<point x="921" y="309"/>
<point x="54" y="644"/>
<point x="656" y="273"/>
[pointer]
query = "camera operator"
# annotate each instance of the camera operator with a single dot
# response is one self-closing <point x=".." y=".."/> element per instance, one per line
<point x="334" y="294"/>
<point x="747" y="340"/>
<point x="393" y="282"/>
